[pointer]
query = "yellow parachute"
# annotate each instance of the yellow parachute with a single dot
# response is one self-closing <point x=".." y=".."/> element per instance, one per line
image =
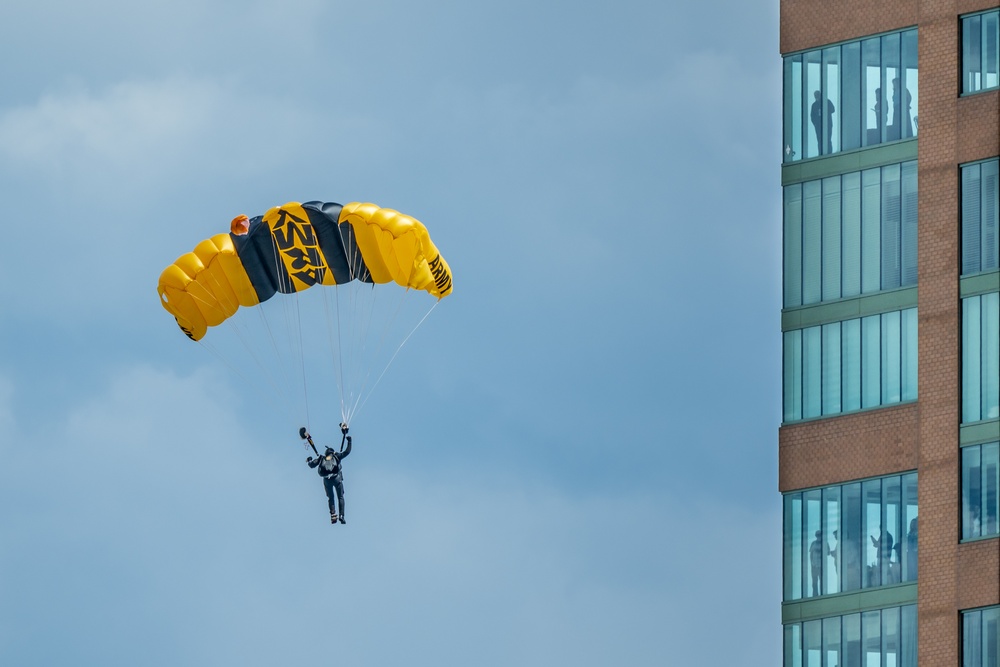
<point x="293" y="247"/>
<point x="357" y="249"/>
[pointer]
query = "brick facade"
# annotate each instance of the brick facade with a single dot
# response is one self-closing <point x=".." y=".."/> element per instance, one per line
<point x="922" y="436"/>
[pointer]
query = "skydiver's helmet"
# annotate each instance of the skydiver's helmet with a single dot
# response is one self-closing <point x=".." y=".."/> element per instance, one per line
<point x="329" y="452"/>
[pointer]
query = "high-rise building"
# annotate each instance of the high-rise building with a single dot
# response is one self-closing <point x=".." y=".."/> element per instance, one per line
<point x="889" y="449"/>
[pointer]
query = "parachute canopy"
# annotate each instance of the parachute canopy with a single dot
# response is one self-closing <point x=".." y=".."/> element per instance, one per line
<point x="293" y="247"/>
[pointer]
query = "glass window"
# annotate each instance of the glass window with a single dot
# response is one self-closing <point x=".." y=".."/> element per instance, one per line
<point x="813" y="540"/>
<point x="981" y="357"/>
<point x="881" y="637"/>
<point x="980" y="217"/>
<point x="851" y="364"/>
<point x="859" y="93"/>
<point x="850" y="98"/>
<point x="858" y="363"/>
<point x="891" y="358"/>
<point x="847" y="537"/>
<point x="980" y="641"/>
<point x="851" y="234"/>
<point x="871" y="357"/>
<point x="980" y="45"/>
<point x="980" y="486"/>
<point x="830" y="221"/>
<point x="831" y="369"/>
<point x="792" y="375"/>
<point x="908" y="552"/>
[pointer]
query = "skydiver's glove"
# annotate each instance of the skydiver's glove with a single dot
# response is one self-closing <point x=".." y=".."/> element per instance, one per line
<point x="343" y="428"/>
<point x="348" y="439"/>
<point x="309" y="460"/>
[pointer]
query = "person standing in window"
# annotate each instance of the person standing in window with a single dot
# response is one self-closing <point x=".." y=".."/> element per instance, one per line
<point x="816" y="116"/>
<point x="817" y="551"/>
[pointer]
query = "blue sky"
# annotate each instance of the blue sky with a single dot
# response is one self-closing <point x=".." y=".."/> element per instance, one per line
<point x="574" y="459"/>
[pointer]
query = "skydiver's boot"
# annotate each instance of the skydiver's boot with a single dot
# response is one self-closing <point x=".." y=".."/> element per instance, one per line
<point x="333" y="517"/>
<point x="342" y="519"/>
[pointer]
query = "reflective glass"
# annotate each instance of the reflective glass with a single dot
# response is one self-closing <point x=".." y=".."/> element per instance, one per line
<point x="971" y="221"/>
<point x="793" y="546"/>
<point x="793" y="109"/>
<point x="991" y="355"/>
<point x="871" y="230"/>
<point x="871" y="637"/>
<point x="972" y="54"/>
<point x="972" y="643"/>
<point x="812" y="640"/>
<point x="989" y="216"/>
<point x="851" y="634"/>
<point x="971" y="492"/>
<point x="871" y="356"/>
<point x="890" y="636"/>
<point x="980" y="641"/>
<point x="851" y="364"/>
<point x="908" y="354"/>
<point x="909" y="73"/>
<point x="990" y="466"/>
<point x="981" y="357"/>
<point x="909" y="550"/>
<point x="831" y="536"/>
<point x="980" y="47"/>
<point x="892" y="517"/>
<point x="831" y="84"/>
<point x="814" y="540"/>
<point x="991" y="642"/>
<point x="851" y="233"/>
<point x="850" y="100"/>
<point x="831" y="368"/>
<point x="831" y="641"/>
<point x="877" y="108"/>
<point x="980" y="217"/>
<point x="990" y="49"/>
<point x="971" y="355"/>
<point x="812" y="241"/>
<point x="856" y="94"/>
<point x="792" y="369"/>
<point x="853" y="543"/>
<point x="908" y="223"/>
<point x="900" y="101"/>
<point x="856" y="364"/>
<point x="832" y="261"/>
<point x="793" y="245"/>
<point x="891" y="214"/>
<point x="891" y="358"/>
<point x="812" y="62"/>
<point x="908" y="636"/>
<point x="793" y="645"/>
<point x="875" y="545"/>
<point x="812" y="356"/>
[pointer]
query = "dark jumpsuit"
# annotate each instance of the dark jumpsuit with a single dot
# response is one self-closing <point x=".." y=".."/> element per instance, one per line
<point x="333" y="478"/>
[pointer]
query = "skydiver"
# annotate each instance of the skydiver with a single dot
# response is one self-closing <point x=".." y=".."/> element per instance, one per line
<point x="330" y="470"/>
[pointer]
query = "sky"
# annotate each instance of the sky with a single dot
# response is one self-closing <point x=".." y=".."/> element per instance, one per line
<point x="573" y="460"/>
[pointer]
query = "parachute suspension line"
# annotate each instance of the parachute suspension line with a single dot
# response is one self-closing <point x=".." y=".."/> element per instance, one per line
<point x="336" y="349"/>
<point x="365" y="370"/>
<point x="393" y="358"/>
<point x="291" y="308"/>
<point x="241" y="333"/>
<point x="346" y="384"/>
<point x="364" y="309"/>
<point x="302" y="357"/>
